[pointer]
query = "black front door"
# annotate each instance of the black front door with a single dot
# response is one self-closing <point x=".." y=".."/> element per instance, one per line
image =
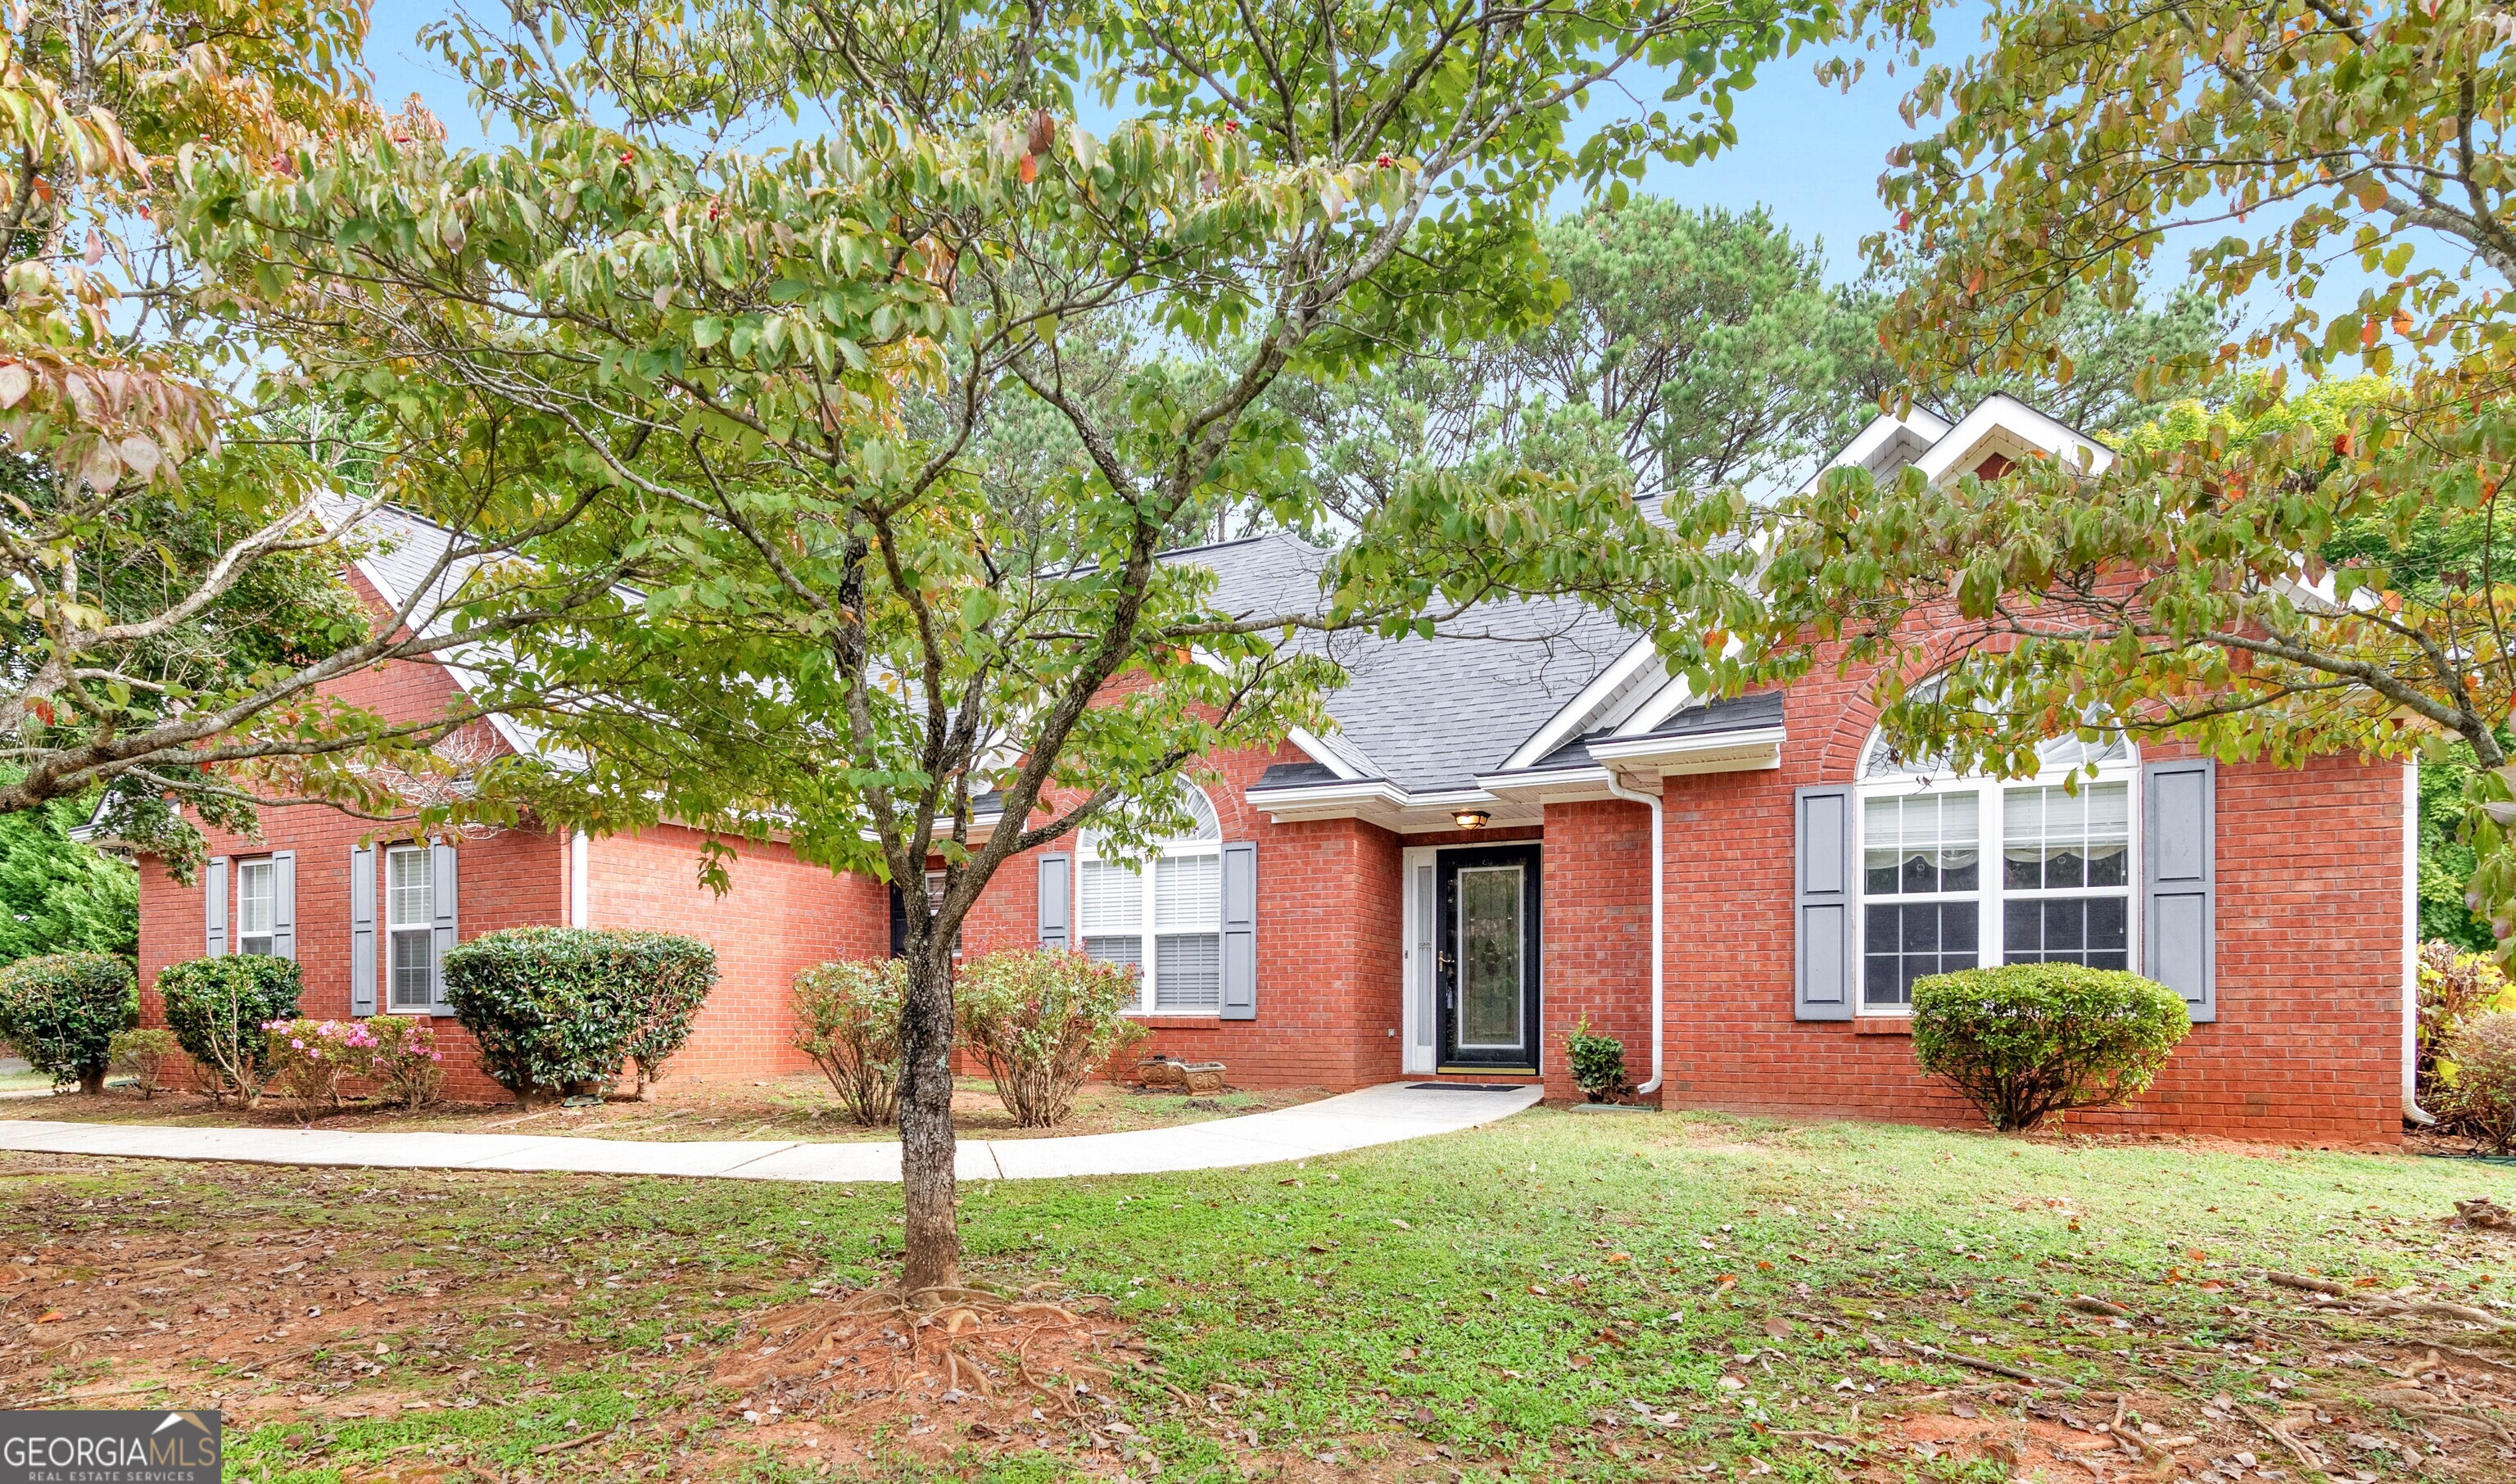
<point x="1486" y="969"/>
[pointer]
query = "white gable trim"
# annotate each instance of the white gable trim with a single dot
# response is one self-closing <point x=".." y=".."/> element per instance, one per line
<point x="1328" y="754"/>
<point x="2003" y="424"/>
<point x="1599" y="695"/>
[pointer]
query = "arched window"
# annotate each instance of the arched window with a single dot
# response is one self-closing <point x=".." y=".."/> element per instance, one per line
<point x="2057" y="885"/>
<point x="1167" y="919"/>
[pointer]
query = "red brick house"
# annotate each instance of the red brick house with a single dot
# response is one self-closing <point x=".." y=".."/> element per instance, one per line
<point x="1511" y="831"/>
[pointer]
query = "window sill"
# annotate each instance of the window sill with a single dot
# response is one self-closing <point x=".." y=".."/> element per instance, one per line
<point x="1175" y="1020"/>
<point x="1883" y="1025"/>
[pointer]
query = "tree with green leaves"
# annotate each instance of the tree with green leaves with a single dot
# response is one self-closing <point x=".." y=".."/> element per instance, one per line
<point x="1694" y="349"/>
<point x="900" y="419"/>
<point x="2261" y="582"/>
<point x="175" y="520"/>
<point x="59" y="894"/>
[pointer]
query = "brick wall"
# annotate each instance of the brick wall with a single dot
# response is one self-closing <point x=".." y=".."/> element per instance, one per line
<point x="512" y="878"/>
<point x="782" y="914"/>
<point x="1330" y="945"/>
<point x="2306" y="1048"/>
<point x="2307" y="1045"/>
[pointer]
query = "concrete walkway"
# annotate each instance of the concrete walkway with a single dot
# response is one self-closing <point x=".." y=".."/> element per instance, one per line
<point x="1383" y="1115"/>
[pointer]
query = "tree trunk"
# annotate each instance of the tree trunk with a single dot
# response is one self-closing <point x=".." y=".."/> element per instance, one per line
<point x="926" y="1143"/>
<point x="92" y="1080"/>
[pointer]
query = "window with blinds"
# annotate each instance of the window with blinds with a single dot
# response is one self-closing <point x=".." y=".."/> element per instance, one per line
<point x="1164" y="918"/>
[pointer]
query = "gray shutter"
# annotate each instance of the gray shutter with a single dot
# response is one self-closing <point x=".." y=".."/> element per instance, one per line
<point x="441" y="890"/>
<point x="1822" y="906"/>
<point x="1055" y="900"/>
<point x="362" y="930"/>
<point x="283" y="903"/>
<point x="2179" y="880"/>
<point x="214" y="906"/>
<point x="1239" y="930"/>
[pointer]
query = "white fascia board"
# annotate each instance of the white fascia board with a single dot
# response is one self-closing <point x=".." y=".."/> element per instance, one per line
<point x="1567" y="723"/>
<point x="1327" y="753"/>
<point x="1749" y="751"/>
<point x="1373" y="790"/>
<point x="2001" y="413"/>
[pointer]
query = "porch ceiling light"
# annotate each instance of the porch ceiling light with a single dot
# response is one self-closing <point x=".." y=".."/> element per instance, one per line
<point x="1471" y="819"/>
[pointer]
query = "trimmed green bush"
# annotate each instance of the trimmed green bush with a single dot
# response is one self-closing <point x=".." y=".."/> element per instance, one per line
<point x="61" y="1012"/>
<point x="217" y="1008"/>
<point x="2027" y="1041"/>
<point x="559" y="1010"/>
<point x="847" y="1018"/>
<point x="1598" y="1063"/>
<point x="1042" y="1020"/>
<point x="673" y="974"/>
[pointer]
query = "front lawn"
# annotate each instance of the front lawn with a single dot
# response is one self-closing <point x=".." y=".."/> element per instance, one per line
<point x="1554" y="1296"/>
<point x="795" y="1106"/>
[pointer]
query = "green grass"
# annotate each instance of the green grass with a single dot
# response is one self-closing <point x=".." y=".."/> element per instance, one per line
<point x="1553" y="1298"/>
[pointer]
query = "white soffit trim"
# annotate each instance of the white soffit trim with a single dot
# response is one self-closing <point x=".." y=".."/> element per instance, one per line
<point x="1749" y="751"/>
<point x="1982" y="431"/>
<point x="1626" y="669"/>
<point x="1377" y="801"/>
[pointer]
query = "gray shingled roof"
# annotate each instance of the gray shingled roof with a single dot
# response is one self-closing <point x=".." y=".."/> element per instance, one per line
<point x="1429" y="713"/>
<point x="1425" y="715"/>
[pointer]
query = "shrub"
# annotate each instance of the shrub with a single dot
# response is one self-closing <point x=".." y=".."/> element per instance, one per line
<point x="557" y="1010"/>
<point x="2029" y="1041"/>
<point x="673" y="974"/>
<point x="848" y="1019"/>
<point x="309" y="1060"/>
<point x="1041" y="1020"/>
<point x="217" y="1008"/>
<point x="61" y="1010"/>
<point x="143" y="1056"/>
<point x="405" y="1066"/>
<point x="2482" y="1100"/>
<point x="2455" y="985"/>
<point x="1598" y="1063"/>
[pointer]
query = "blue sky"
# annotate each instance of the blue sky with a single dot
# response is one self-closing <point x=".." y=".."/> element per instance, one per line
<point x="1808" y="152"/>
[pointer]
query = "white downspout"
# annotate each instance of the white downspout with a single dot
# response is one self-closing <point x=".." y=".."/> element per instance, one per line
<point x="2412" y="1109"/>
<point x="1660" y="889"/>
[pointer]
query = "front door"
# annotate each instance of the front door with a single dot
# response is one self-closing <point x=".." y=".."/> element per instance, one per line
<point x="1485" y="972"/>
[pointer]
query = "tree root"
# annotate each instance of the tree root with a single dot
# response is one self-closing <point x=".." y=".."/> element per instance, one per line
<point x="976" y="1341"/>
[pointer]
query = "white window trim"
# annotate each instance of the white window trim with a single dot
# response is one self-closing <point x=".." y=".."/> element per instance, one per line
<point x="1147" y="929"/>
<point x="243" y="869"/>
<point x="1991" y="817"/>
<point x="387" y="931"/>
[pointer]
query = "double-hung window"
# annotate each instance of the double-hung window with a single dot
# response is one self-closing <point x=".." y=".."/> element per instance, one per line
<point x="1922" y="888"/>
<point x="1962" y="872"/>
<point x="1163" y="916"/>
<point x="410" y="929"/>
<point x="2066" y="875"/>
<point x="257" y="906"/>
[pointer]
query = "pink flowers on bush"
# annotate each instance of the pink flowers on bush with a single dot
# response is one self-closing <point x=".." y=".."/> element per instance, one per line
<point x="397" y="1054"/>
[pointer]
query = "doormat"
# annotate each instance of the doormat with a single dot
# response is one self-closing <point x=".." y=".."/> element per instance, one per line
<point x="1467" y="1087"/>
